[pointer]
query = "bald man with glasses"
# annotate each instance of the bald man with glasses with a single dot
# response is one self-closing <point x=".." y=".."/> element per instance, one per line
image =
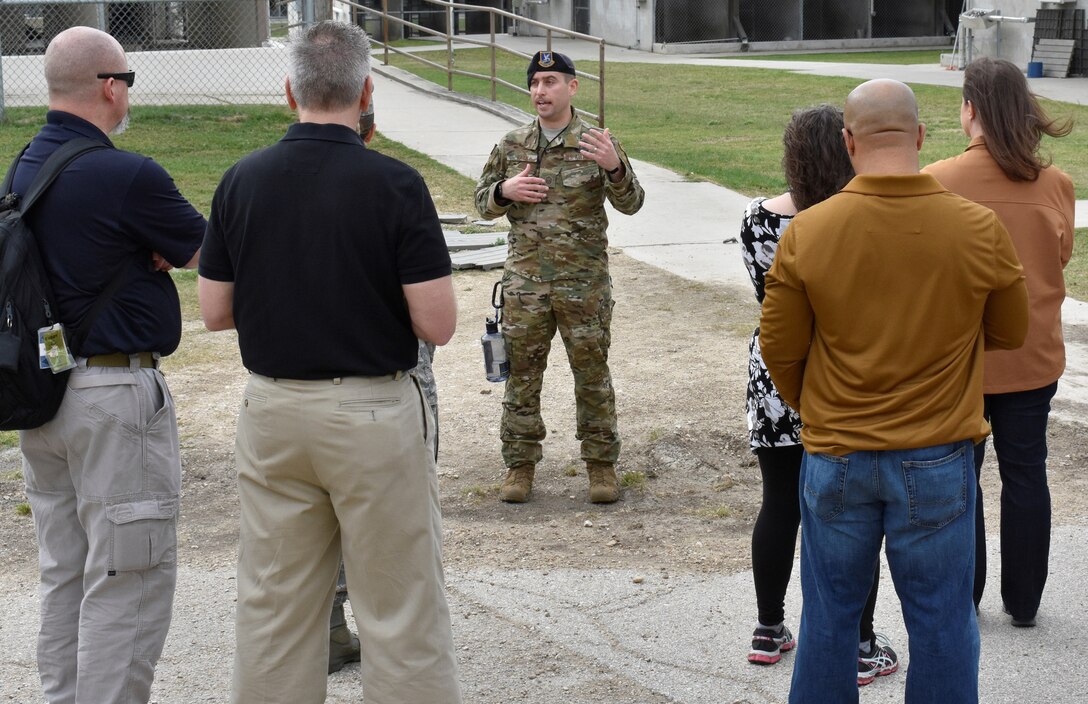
<point x="103" y="476"/>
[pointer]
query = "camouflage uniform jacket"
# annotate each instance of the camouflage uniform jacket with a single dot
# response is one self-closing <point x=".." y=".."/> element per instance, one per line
<point x="565" y="236"/>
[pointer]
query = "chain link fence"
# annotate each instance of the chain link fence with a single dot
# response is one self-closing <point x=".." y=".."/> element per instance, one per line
<point x="183" y="51"/>
<point x="788" y="21"/>
<point x="193" y="51"/>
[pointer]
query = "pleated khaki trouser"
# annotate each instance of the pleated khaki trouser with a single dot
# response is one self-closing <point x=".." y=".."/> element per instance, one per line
<point x="324" y="464"/>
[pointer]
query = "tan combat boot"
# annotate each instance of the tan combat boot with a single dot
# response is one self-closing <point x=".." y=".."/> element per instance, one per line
<point x="604" y="488"/>
<point x="518" y="484"/>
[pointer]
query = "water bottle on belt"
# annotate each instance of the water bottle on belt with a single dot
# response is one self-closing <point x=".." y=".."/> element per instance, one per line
<point x="496" y="365"/>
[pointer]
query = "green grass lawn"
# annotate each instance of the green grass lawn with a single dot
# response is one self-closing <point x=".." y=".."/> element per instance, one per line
<point x="196" y="144"/>
<point x="718" y="124"/>
<point x="724" y="124"/>
<point x="1076" y="273"/>
<point x="912" y="56"/>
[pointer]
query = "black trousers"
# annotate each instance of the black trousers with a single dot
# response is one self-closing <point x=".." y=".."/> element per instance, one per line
<point x="1019" y="422"/>
<point x="774" y="538"/>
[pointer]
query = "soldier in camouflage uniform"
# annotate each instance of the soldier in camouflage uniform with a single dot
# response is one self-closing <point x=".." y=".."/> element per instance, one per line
<point x="550" y="179"/>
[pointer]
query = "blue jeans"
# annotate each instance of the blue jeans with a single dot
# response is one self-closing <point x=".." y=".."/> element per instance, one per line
<point x="1019" y="421"/>
<point x="922" y="502"/>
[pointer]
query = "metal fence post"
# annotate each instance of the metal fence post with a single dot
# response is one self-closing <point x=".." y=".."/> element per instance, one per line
<point x="491" y="17"/>
<point x="385" y="30"/>
<point x="3" y="110"/>
<point x="600" y="80"/>
<point x="308" y="13"/>
<point x="449" y="48"/>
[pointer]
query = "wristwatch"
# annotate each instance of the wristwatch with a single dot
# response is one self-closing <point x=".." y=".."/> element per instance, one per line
<point x="498" y="190"/>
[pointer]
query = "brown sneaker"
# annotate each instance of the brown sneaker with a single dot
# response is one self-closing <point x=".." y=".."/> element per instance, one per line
<point x="518" y="484"/>
<point x="604" y="488"/>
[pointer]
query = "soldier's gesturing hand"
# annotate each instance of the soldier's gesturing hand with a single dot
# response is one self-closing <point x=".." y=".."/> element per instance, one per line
<point x="525" y="188"/>
<point x="597" y="145"/>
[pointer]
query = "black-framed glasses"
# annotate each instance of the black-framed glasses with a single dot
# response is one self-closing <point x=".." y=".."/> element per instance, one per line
<point x="129" y="77"/>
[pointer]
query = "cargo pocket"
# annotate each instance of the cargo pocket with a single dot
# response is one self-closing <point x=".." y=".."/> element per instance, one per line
<point x="143" y="534"/>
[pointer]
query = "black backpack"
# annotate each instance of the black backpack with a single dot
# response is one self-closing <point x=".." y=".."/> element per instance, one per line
<point x="30" y="395"/>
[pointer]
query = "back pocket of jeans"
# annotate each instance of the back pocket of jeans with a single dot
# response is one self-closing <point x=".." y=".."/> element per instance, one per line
<point x="937" y="489"/>
<point x="825" y="485"/>
<point x="144" y="534"/>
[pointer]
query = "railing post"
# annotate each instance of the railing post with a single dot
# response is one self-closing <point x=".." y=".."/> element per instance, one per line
<point x="548" y="34"/>
<point x="3" y="97"/>
<point x="385" y="31"/>
<point x="491" y="16"/>
<point x="449" y="47"/>
<point x="600" y="74"/>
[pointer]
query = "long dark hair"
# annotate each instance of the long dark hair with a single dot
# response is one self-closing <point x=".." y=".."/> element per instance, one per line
<point x="815" y="160"/>
<point x="1012" y="119"/>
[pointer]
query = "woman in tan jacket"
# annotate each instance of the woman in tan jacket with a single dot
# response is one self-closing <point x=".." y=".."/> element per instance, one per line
<point x="1003" y="170"/>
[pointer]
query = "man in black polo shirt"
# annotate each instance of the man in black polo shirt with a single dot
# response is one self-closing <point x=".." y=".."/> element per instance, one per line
<point x="103" y="476"/>
<point x="329" y="260"/>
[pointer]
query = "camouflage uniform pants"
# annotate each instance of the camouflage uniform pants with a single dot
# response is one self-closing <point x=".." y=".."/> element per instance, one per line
<point x="581" y="310"/>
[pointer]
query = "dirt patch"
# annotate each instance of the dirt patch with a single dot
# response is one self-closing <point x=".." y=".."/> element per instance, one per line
<point x="678" y="361"/>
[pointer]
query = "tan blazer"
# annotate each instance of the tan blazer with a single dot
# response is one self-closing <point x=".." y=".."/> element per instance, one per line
<point x="1039" y="217"/>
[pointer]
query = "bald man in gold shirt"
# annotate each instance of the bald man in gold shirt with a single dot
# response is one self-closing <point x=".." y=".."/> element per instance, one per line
<point x="880" y="304"/>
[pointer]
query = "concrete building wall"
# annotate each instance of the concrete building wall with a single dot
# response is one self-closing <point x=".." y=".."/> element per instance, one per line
<point x="555" y="12"/>
<point x="628" y="23"/>
<point x="1010" y="40"/>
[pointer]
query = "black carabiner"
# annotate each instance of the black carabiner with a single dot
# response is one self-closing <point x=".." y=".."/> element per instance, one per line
<point x="496" y="294"/>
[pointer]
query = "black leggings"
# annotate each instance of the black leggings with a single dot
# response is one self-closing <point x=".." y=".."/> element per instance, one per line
<point x="774" y="538"/>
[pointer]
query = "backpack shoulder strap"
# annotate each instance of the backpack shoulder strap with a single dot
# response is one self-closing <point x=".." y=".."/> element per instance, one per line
<point x="56" y="163"/>
<point x="6" y="188"/>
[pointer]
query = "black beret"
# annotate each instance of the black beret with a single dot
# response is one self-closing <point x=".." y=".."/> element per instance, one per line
<point x="549" y="61"/>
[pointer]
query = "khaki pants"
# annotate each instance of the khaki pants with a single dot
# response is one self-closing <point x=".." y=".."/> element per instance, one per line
<point x="325" y="464"/>
<point x="103" y="479"/>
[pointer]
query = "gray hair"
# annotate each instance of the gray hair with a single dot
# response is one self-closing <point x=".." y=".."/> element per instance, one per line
<point x="329" y="65"/>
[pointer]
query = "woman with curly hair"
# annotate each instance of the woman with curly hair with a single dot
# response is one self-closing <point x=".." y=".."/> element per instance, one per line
<point x="1003" y="170"/>
<point x="816" y="167"/>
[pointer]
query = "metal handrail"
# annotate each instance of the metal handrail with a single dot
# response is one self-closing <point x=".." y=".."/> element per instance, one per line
<point x="493" y="78"/>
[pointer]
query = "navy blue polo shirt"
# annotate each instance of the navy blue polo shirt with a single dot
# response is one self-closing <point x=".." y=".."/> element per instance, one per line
<point x="106" y="213"/>
<point x="318" y="235"/>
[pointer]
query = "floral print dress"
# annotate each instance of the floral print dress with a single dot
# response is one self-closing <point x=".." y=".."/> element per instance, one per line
<point x="771" y="423"/>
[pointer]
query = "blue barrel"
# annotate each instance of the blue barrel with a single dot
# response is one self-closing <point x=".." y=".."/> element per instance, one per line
<point x="1035" y="69"/>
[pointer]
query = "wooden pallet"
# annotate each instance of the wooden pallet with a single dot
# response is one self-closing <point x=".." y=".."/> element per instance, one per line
<point x="489" y="258"/>
<point x="458" y="241"/>
<point x="1056" y="55"/>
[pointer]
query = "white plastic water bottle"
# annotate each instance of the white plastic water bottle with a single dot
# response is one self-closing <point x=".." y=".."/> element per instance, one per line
<point x="496" y="365"/>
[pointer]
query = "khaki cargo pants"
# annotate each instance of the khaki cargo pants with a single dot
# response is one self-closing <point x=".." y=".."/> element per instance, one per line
<point x="103" y="479"/>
